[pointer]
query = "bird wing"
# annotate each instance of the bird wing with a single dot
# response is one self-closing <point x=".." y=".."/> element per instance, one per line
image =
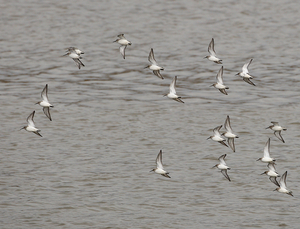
<point x="271" y="167"/>
<point x="278" y="135"/>
<point x="157" y="73"/>
<point x="245" y="67"/>
<point x="247" y="80"/>
<point x="44" y="94"/>
<point x="282" y="181"/>
<point x="274" y="181"/>
<point x="172" y="85"/>
<point x="30" y="119"/>
<point x="211" y="47"/>
<point x="217" y="130"/>
<point x="121" y="36"/>
<point x="47" y="112"/>
<point x="159" y="160"/>
<point x="221" y="159"/>
<point x="122" y="50"/>
<point x="151" y="57"/>
<point x="224" y="172"/>
<point x="220" y="76"/>
<point x="227" y="124"/>
<point x="231" y="144"/>
<point x="267" y="149"/>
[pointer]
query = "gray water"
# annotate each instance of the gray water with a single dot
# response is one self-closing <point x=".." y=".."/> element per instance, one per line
<point x="110" y="119"/>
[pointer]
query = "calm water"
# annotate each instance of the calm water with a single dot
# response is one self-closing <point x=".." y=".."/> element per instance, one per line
<point x="110" y="119"/>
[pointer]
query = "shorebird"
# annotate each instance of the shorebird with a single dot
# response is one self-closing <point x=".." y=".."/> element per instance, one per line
<point x="45" y="102"/>
<point x="217" y="136"/>
<point x="266" y="158"/>
<point x="245" y="73"/>
<point x="229" y="134"/>
<point x="220" y="85"/>
<point x="272" y="173"/>
<point x="123" y="42"/>
<point x="74" y="53"/>
<point x="213" y="56"/>
<point x="159" y="166"/>
<point x="172" y="93"/>
<point x="153" y="66"/>
<point x="223" y="167"/>
<point x="30" y="126"/>
<point x="282" y="185"/>
<point x="277" y="130"/>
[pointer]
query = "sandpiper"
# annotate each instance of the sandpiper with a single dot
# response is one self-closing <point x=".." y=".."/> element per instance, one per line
<point x="245" y="73"/>
<point x="159" y="166"/>
<point x="213" y="56"/>
<point x="153" y="66"/>
<point x="282" y="185"/>
<point x="74" y="53"/>
<point x="217" y="136"/>
<point x="277" y="130"/>
<point x="272" y="173"/>
<point x="45" y="102"/>
<point x="223" y="167"/>
<point x="266" y="158"/>
<point x="123" y="42"/>
<point x="220" y="85"/>
<point x="229" y="134"/>
<point x="172" y="93"/>
<point x="30" y="126"/>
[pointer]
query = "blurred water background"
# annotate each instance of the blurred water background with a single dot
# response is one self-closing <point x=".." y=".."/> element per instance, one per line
<point x="110" y="119"/>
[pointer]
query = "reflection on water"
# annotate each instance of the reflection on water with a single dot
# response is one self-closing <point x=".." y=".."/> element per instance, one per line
<point x="110" y="119"/>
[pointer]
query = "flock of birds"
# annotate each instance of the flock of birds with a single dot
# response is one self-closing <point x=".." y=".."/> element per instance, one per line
<point x="75" y="54"/>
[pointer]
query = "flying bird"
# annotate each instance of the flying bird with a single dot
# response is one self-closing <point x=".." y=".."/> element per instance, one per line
<point x="266" y="158"/>
<point x="123" y="42"/>
<point x="217" y="136"/>
<point x="159" y="166"/>
<point x="229" y="134"/>
<point x="45" y="102"/>
<point x="282" y="185"/>
<point x="154" y="66"/>
<point x="245" y="73"/>
<point x="74" y="53"/>
<point x="277" y="130"/>
<point x="172" y="93"/>
<point x="213" y="56"/>
<point x="30" y="125"/>
<point x="223" y="167"/>
<point x="220" y="85"/>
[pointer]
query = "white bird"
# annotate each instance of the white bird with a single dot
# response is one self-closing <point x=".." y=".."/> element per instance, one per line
<point x="123" y="42"/>
<point x="159" y="166"/>
<point x="217" y="136"/>
<point x="74" y="53"/>
<point x="272" y="171"/>
<point x="153" y="66"/>
<point x="213" y="56"/>
<point x="229" y="134"/>
<point x="282" y="185"/>
<point x="266" y="158"/>
<point x="245" y="73"/>
<point x="172" y="93"/>
<point x="220" y="85"/>
<point x="277" y="130"/>
<point x="30" y="126"/>
<point x="45" y="102"/>
<point x="223" y="167"/>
